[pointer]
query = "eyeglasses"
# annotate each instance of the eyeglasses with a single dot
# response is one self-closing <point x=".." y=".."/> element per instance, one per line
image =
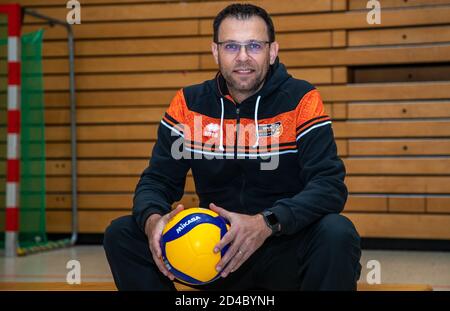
<point x="251" y="47"/>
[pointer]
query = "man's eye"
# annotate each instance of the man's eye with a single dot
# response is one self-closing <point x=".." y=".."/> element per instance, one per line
<point x="255" y="46"/>
<point x="231" y="46"/>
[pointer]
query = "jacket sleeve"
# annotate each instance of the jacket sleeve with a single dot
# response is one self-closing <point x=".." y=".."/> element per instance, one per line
<point x="322" y="172"/>
<point x="162" y="182"/>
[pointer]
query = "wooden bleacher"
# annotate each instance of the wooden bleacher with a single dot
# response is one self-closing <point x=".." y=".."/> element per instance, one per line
<point x="393" y="137"/>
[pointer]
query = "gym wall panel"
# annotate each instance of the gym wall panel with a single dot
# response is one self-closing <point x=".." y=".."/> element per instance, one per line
<point x="133" y="55"/>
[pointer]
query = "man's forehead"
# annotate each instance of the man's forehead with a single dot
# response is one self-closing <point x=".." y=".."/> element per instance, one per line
<point x="235" y="29"/>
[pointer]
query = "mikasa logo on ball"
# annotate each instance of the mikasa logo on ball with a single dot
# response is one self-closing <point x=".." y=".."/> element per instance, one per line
<point x="187" y="223"/>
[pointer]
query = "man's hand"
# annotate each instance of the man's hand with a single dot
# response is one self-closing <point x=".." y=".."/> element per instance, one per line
<point x="247" y="233"/>
<point x="154" y="227"/>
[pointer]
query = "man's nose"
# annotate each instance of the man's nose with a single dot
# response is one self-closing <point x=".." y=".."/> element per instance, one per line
<point x="242" y="55"/>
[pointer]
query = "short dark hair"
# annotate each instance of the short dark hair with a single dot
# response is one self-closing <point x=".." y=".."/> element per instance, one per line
<point x="242" y="12"/>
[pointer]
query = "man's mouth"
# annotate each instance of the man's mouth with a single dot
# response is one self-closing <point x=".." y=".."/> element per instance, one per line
<point x="243" y="71"/>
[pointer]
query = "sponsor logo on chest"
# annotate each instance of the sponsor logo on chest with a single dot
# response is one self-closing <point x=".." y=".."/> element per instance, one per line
<point x="274" y="129"/>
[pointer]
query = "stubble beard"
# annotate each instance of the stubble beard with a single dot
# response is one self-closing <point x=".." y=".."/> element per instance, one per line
<point x="247" y="86"/>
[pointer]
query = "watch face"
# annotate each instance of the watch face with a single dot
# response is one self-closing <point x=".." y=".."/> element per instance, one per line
<point x="272" y="219"/>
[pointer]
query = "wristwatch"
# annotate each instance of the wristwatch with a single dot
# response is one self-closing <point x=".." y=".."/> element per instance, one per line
<point x="272" y="222"/>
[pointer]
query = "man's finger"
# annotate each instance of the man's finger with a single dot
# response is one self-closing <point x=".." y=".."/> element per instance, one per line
<point x="178" y="209"/>
<point x="157" y="233"/>
<point x="162" y="267"/>
<point x="158" y="261"/>
<point x="155" y="240"/>
<point x="235" y="263"/>
<point x="231" y="252"/>
<point x="222" y="212"/>
<point x="160" y="264"/>
<point x="244" y="256"/>
<point x="164" y="270"/>
<point x="226" y="239"/>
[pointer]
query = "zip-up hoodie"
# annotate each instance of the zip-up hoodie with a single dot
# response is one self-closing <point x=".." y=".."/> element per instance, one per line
<point x="219" y="143"/>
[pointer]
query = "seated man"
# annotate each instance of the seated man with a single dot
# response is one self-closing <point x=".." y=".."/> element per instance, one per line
<point x="262" y="154"/>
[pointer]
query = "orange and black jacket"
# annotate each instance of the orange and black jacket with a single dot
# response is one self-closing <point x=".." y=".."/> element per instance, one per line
<point x="205" y="131"/>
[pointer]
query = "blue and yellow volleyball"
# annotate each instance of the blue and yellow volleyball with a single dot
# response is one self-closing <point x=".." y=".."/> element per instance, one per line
<point x="188" y="242"/>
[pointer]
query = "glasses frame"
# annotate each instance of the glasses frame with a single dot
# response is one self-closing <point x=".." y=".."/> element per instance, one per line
<point x="242" y="44"/>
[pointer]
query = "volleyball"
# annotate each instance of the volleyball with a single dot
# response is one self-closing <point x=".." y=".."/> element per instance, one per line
<point x="187" y="245"/>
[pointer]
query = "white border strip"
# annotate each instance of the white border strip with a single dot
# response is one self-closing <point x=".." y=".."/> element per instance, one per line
<point x="241" y="154"/>
<point x="13" y="141"/>
<point x="311" y="128"/>
<point x="13" y="49"/>
<point x="11" y="238"/>
<point x="11" y="194"/>
<point x="13" y="97"/>
<point x="171" y="128"/>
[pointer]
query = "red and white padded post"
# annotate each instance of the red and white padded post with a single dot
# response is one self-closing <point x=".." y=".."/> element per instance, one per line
<point x="13" y="139"/>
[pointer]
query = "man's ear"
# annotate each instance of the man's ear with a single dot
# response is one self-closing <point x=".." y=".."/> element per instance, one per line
<point x="273" y="51"/>
<point x="215" y="52"/>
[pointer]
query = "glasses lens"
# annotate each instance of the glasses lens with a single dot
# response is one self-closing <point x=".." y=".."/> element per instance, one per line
<point x="231" y="47"/>
<point x="255" y="47"/>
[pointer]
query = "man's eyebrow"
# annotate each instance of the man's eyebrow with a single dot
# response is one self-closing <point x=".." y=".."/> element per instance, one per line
<point x="249" y="40"/>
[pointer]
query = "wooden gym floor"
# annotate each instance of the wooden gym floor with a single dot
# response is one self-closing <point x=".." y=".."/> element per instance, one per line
<point x="400" y="270"/>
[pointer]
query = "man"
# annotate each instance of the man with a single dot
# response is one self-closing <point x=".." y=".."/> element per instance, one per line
<point x="286" y="231"/>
